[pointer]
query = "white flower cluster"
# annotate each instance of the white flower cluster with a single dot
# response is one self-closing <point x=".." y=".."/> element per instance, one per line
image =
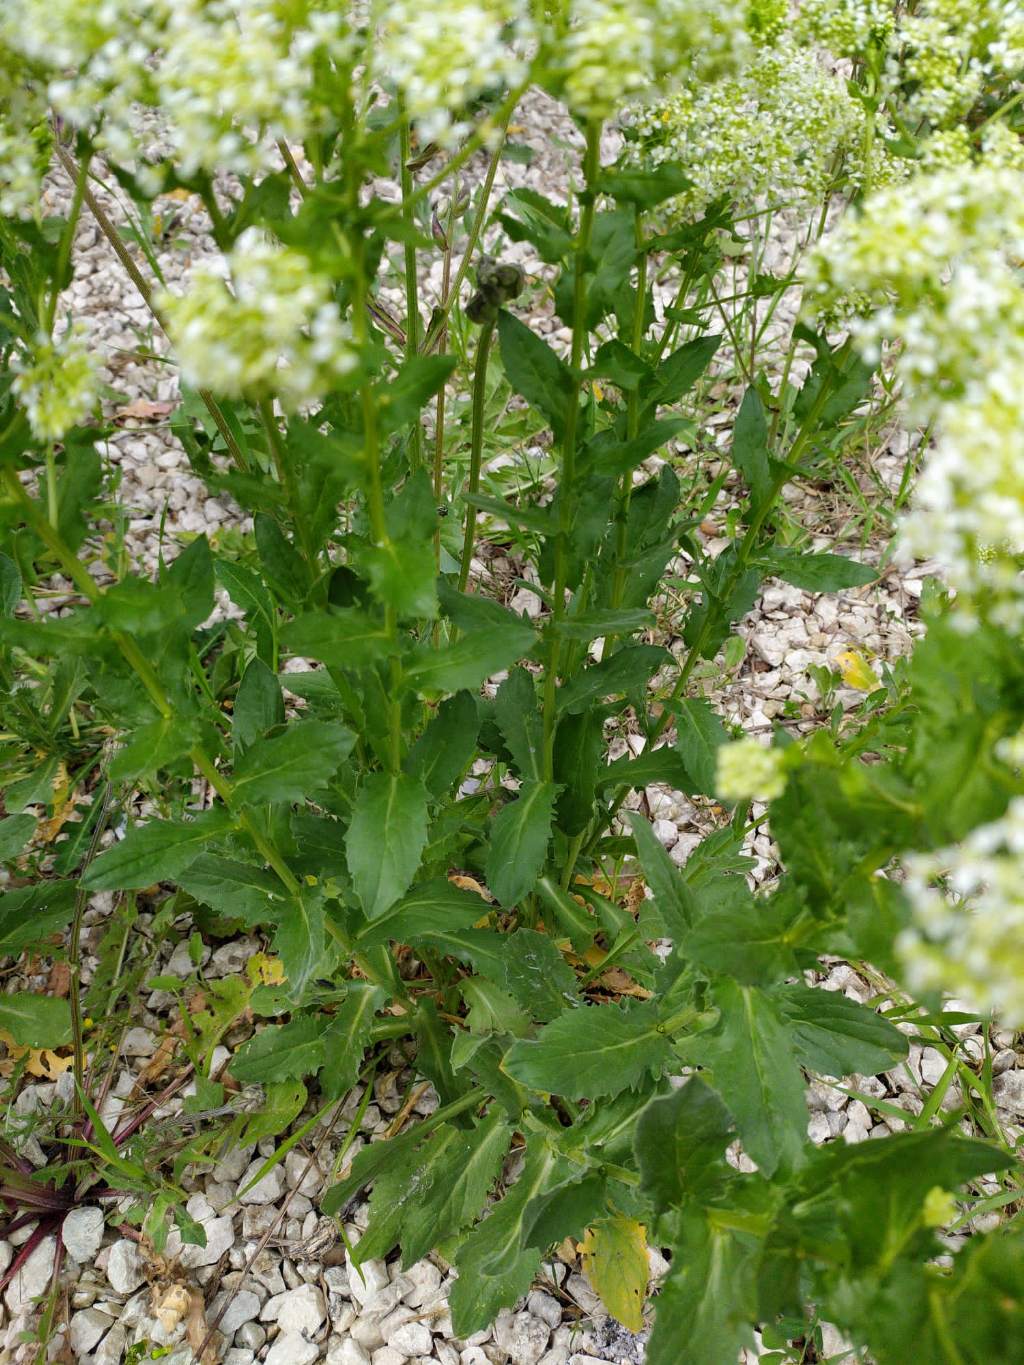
<point x="777" y="128"/>
<point x="939" y="257"/>
<point x="967" y="938"/>
<point x="748" y="770"/>
<point x="230" y="76"/>
<point x="276" y="330"/>
<point x="849" y="28"/>
<point x="56" y="384"/>
<point x="24" y="140"/>
<point x="445" y="55"/>
<point x="950" y="51"/>
<point x="616" y="50"/>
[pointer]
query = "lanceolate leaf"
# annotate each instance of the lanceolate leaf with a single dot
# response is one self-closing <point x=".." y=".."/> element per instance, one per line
<point x="519" y="841"/>
<point x="347" y="1036"/>
<point x="836" y="1036"/>
<point x="494" y="1270"/>
<point x="699" y="736"/>
<point x="15" y="832"/>
<point x="281" y="1052"/>
<point x="708" y="1301"/>
<point x="300" y="939"/>
<point x="436" y="905"/>
<point x="445" y="748"/>
<point x="673" y="899"/>
<point x="155" y="852"/>
<point x="292" y="765"/>
<point x="231" y="887"/>
<point x="591" y="1051"/>
<point x="535" y="371"/>
<point x="678" y="373"/>
<point x="470" y="660"/>
<point x="680" y="1144"/>
<point x="755" y="1070"/>
<point x="386" y="838"/>
<point x="343" y="638"/>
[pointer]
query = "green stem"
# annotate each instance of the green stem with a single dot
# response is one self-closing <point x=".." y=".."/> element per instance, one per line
<point x="67" y="242"/>
<point x="286" y="477"/>
<point x="479" y="139"/>
<point x="412" y="304"/>
<point x="441" y="319"/>
<point x="476" y="445"/>
<point x="567" y="473"/>
<point x="632" y="424"/>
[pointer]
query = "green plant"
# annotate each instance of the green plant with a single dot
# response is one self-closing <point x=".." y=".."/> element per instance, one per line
<point x="329" y="806"/>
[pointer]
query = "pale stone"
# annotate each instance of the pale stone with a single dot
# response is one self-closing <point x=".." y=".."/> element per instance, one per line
<point x="86" y="1328"/>
<point x="82" y="1233"/>
<point x="291" y="1348"/>
<point x="124" y="1267"/>
<point x="33" y="1279"/>
<point x="302" y="1310"/>
<point x="265" y="1191"/>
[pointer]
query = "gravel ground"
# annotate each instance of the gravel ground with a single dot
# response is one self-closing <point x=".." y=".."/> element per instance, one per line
<point x="292" y="1296"/>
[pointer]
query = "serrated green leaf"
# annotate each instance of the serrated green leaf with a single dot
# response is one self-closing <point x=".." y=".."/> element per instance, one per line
<point x="282" y="1052"/>
<point x="386" y="838"/>
<point x="347" y="1036"/>
<point x="750" y="446"/>
<point x="565" y="1211"/>
<point x="300" y="939"/>
<point x="754" y="1067"/>
<point x="151" y="747"/>
<point x="836" y="1036"/>
<point x="342" y="638"/>
<point x="673" y="899"/>
<point x="626" y="673"/>
<point x="494" y="1270"/>
<point x="519" y="840"/>
<point x="535" y="371"/>
<point x="646" y="187"/>
<point x="445" y="748"/>
<point x="435" y="906"/>
<point x="259" y="706"/>
<point x="699" y="736"/>
<point x="680" y="1144"/>
<point x="190" y="578"/>
<point x="470" y="660"/>
<point x="232" y="888"/>
<point x="678" y="373"/>
<point x="417" y="381"/>
<point x="291" y="766"/>
<point x="537" y="976"/>
<point x="155" y="852"/>
<point x="708" y="1300"/>
<point x="654" y="766"/>
<point x="518" y="717"/>
<point x="10" y="585"/>
<point x="35" y="1020"/>
<point x="592" y="1051"/>
<point x="819" y="572"/>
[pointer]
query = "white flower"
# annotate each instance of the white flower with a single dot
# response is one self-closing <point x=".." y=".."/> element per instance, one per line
<point x="615" y="50"/>
<point x="275" y="332"/>
<point x="56" y="384"/>
<point x="967" y="939"/>
<point x="776" y="128"/>
<point x="748" y="770"/>
<point x="443" y="56"/>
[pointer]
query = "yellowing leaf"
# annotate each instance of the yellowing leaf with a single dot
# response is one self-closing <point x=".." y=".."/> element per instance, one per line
<point x="42" y="1061"/>
<point x="264" y="970"/>
<point x="615" y="1262"/>
<point x="856" y="671"/>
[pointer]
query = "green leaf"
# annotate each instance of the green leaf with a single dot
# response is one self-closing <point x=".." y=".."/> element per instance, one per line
<point x="417" y="381"/>
<point x="648" y="187"/>
<point x="35" y="1020"/>
<point x="519" y="843"/>
<point x="470" y="660"/>
<point x="819" y="573"/>
<point x="347" y="1037"/>
<point x="589" y="625"/>
<point x="699" y="736"/>
<point x="579" y="748"/>
<point x="565" y="1211"/>
<point x="591" y="1051"/>
<point x="342" y="638"/>
<point x="749" y="942"/>
<point x="537" y="976"/>
<point x="190" y="578"/>
<point x="709" y="1300"/>
<point x="10" y="585"/>
<point x="494" y="1270"/>
<point x="755" y="1069"/>
<point x="838" y="1037"/>
<point x="153" y="746"/>
<point x="281" y="1052"/>
<point x="535" y="371"/>
<point x="677" y="374"/>
<point x="155" y="852"/>
<point x="436" y="905"/>
<point x="680" y="1145"/>
<point x="610" y="455"/>
<point x="293" y="765"/>
<point x="386" y="838"/>
<point x="300" y="939"/>
<point x="446" y="747"/>
<point x="750" y="446"/>
<point x="539" y="221"/>
<point x="615" y="361"/>
<point x="673" y="899"/>
<point x="232" y="888"/>
<point x="249" y="594"/>
<point x="654" y="766"/>
<point x="259" y="706"/>
<point x="283" y="566"/>
<point x="15" y="832"/>
<point x="519" y="719"/>
<point x="283" y="1102"/>
<point x="625" y="673"/>
<point x="401" y="572"/>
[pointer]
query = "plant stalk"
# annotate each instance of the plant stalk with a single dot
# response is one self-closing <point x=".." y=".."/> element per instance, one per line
<point x="476" y="445"/>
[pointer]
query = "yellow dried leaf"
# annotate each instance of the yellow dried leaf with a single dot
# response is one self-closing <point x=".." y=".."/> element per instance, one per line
<point x="264" y="970"/>
<point x="856" y="671"/>
<point x="469" y="884"/>
<point x="41" y="1061"/>
<point x="615" y="1262"/>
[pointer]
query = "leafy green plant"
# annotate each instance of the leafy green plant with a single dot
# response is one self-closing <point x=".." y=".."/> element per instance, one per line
<point x="440" y="779"/>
